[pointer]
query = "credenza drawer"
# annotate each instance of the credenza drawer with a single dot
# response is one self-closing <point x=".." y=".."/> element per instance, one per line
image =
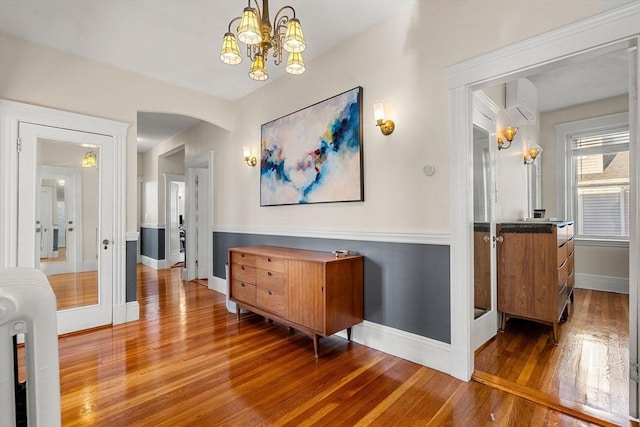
<point x="270" y="280"/>
<point x="570" y="231"/>
<point x="561" y="234"/>
<point x="242" y="258"/>
<point x="570" y="245"/>
<point x="562" y="254"/>
<point x="271" y="301"/>
<point x="270" y="263"/>
<point x="244" y="292"/>
<point x="563" y="273"/>
<point x="244" y="273"/>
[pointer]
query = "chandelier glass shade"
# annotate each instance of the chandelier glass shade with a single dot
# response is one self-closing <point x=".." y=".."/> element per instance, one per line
<point x="256" y="31"/>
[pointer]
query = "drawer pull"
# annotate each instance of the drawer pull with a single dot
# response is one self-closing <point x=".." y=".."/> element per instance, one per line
<point x="242" y="255"/>
<point x="269" y="273"/>
<point x="243" y="285"/>
<point x="242" y="267"/>
<point x="270" y="292"/>
<point x="268" y="259"/>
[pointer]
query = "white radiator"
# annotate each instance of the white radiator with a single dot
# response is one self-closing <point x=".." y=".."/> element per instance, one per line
<point x="28" y="306"/>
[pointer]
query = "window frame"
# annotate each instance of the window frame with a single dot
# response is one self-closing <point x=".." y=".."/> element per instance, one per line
<point x="567" y="197"/>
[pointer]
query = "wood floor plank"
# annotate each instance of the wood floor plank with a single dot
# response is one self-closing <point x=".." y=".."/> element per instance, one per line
<point x="189" y="362"/>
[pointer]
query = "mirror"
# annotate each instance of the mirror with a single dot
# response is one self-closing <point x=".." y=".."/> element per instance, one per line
<point x="482" y="221"/>
<point x="66" y="228"/>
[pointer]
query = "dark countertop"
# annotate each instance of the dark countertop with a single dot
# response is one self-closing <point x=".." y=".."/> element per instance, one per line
<point x="532" y="226"/>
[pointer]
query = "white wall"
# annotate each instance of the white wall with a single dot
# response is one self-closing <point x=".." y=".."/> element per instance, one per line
<point x="43" y="76"/>
<point x="400" y="61"/>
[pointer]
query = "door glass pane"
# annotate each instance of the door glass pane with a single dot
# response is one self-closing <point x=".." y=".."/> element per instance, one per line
<point x="67" y="220"/>
<point x="482" y="218"/>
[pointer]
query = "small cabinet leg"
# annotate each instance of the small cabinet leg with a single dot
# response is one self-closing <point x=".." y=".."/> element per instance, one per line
<point x="555" y="333"/>
<point x="349" y="334"/>
<point x="315" y="344"/>
<point x="504" y="322"/>
<point x="237" y="313"/>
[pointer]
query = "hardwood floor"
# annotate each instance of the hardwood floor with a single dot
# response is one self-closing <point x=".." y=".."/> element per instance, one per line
<point x="75" y="289"/>
<point x="189" y="362"/>
<point x="588" y="366"/>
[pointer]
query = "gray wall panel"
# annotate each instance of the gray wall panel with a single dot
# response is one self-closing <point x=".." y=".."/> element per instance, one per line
<point x="152" y="241"/>
<point x="131" y="263"/>
<point x="406" y="286"/>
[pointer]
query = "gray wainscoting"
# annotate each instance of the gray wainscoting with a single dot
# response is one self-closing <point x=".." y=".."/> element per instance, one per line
<point x="131" y="275"/>
<point x="152" y="241"/>
<point x="406" y="285"/>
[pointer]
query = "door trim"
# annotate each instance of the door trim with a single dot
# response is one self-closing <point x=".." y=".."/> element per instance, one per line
<point x="204" y="160"/>
<point x="604" y="30"/>
<point x="11" y="114"/>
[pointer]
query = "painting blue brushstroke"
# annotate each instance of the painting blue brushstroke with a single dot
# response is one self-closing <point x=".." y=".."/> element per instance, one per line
<point x="314" y="155"/>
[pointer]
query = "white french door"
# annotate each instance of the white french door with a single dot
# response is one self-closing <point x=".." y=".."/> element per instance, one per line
<point x="85" y="296"/>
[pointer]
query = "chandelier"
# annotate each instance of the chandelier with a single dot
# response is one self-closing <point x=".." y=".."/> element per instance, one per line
<point x="255" y="30"/>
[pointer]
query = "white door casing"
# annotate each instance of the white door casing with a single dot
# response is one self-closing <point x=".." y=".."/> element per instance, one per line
<point x="11" y="114"/>
<point x="616" y="28"/>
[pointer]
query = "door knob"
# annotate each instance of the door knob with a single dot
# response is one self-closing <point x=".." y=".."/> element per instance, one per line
<point x="70" y="228"/>
<point x="498" y="239"/>
<point x="486" y="238"/>
<point x="38" y="229"/>
<point x="105" y="242"/>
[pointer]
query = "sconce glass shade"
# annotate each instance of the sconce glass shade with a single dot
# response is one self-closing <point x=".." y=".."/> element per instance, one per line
<point x="531" y="154"/>
<point x="510" y="133"/>
<point x="230" y="54"/>
<point x="378" y="111"/>
<point x="90" y="160"/>
<point x="258" y="70"/>
<point x="294" y="39"/>
<point x="246" y="151"/>
<point x="249" y="28"/>
<point x="295" y="64"/>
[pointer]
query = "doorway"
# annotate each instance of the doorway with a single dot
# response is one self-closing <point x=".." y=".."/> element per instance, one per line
<point x="175" y="237"/>
<point x="565" y="44"/>
<point x="199" y="237"/>
<point x="46" y="226"/>
<point x="65" y="127"/>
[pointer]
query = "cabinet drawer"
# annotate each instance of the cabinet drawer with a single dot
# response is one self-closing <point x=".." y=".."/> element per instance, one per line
<point x="243" y="292"/>
<point x="270" y="280"/>
<point x="271" y="301"/>
<point x="570" y="247"/>
<point x="562" y="254"/>
<point x="562" y="300"/>
<point x="563" y="273"/>
<point x="561" y="234"/>
<point x="569" y="231"/>
<point x="270" y="263"/>
<point x="243" y="273"/>
<point x="242" y="258"/>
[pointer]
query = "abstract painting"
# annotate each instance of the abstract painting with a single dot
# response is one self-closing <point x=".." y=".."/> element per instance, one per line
<point x="314" y="155"/>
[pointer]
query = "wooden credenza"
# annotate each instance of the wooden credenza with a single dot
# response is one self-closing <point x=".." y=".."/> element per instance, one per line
<point x="535" y="271"/>
<point x="313" y="292"/>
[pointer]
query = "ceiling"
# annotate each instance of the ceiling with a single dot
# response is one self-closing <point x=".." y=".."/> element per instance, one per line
<point x="178" y="41"/>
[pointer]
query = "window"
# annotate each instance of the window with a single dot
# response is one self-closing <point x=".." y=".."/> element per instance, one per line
<point x="596" y="184"/>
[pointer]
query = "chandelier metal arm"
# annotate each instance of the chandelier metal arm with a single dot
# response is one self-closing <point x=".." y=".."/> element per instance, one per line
<point x="237" y="18"/>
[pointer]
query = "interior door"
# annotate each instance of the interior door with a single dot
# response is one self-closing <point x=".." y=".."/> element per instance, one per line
<point x="84" y="297"/>
<point x="202" y="222"/>
<point x="485" y="312"/>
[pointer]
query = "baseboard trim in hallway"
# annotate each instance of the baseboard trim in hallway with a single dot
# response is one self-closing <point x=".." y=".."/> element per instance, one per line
<point x="551" y="401"/>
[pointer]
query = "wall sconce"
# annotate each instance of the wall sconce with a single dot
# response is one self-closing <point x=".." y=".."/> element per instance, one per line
<point x="531" y="154"/>
<point x="509" y="133"/>
<point x="251" y="160"/>
<point x="386" y="126"/>
<point x="90" y="160"/>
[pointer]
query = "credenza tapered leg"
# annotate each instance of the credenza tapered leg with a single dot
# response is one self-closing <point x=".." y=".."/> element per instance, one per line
<point x="555" y="333"/>
<point x="349" y="334"/>
<point x="315" y="344"/>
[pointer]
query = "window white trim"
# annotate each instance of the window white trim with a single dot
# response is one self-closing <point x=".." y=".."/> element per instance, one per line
<point x="565" y="133"/>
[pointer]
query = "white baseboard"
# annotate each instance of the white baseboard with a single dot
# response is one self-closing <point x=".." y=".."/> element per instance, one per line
<point x="156" y="264"/>
<point x="415" y="348"/>
<point x="618" y="285"/>
<point x="91" y="265"/>
<point x="217" y="284"/>
<point x="133" y="311"/>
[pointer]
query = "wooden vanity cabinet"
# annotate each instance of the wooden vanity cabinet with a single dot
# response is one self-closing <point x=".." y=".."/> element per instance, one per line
<point x="313" y="292"/>
<point x="535" y="271"/>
